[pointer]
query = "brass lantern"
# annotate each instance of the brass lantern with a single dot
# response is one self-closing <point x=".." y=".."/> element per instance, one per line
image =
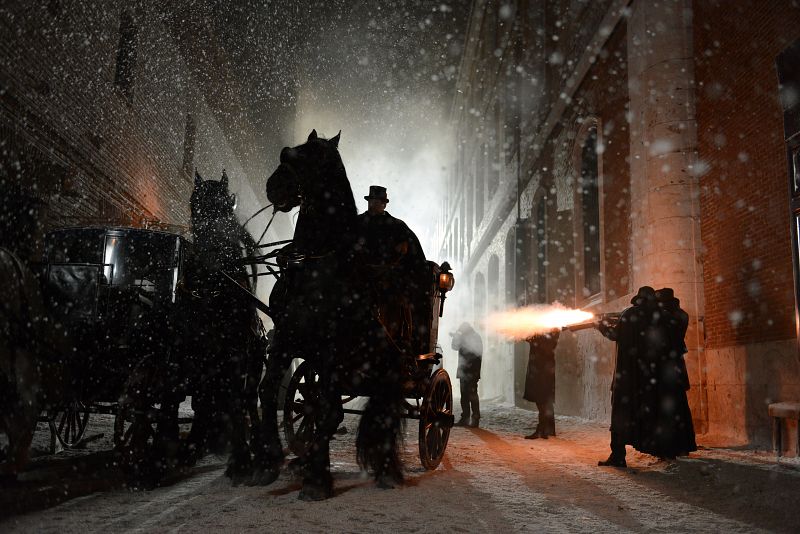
<point x="446" y="283"/>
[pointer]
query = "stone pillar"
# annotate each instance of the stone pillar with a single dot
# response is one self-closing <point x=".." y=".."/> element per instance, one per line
<point x="665" y="214"/>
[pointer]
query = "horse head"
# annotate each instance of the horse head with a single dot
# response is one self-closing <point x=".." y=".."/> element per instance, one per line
<point x="309" y="173"/>
<point x="313" y="177"/>
<point x="211" y="200"/>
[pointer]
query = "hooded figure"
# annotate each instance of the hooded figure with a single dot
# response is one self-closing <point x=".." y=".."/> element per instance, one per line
<point x="469" y="345"/>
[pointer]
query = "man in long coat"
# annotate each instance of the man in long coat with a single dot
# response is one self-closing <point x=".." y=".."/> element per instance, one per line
<point x="540" y="382"/>
<point x="630" y="334"/>
<point x="396" y="263"/>
<point x="469" y="345"/>
<point x="666" y="428"/>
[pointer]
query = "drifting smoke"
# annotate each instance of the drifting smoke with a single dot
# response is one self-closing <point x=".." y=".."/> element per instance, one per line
<point x="522" y="323"/>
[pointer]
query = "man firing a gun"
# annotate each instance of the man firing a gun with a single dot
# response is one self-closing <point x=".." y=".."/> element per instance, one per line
<point x="540" y="381"/>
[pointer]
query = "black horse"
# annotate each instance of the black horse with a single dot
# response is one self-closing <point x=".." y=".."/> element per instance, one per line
<point x="224" y="344"/>
<point x="322" y="313"/>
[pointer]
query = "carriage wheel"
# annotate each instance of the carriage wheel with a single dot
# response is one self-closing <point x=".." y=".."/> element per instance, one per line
<point x="300" y="408"/>
<point x="436" y="419"/>
<point x="69" y="423"/>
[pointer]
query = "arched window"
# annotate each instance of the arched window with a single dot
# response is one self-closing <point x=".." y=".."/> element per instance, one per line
<point x="126" y="54"/>
<point x="588" y="211"/>
<point x="540" y="246"/>
<point x="516" y="264"/>
<point x="510" y="283"/>
<point x="480" y="185"/>
<point x="493" y="281"/>
<point x="479" y="299"/>
<point x="469" y="200"/>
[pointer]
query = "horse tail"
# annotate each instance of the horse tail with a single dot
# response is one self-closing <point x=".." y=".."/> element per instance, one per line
<point x="381" y="431"/>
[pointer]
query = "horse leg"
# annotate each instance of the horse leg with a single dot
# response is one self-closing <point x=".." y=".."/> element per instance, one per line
<point x="380" y="435"/>
<point x="240" y="461"/>
<point x="167" y="440"/>
<point x="20" y="427"/>
<point x="267" y="448"/>
<point x="197" y="441"/>
<point x="318" y="481"/>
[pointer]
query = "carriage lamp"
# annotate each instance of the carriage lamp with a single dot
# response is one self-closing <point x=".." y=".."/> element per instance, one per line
<point x="446" y="283"/>
<point x="446" y="279"/>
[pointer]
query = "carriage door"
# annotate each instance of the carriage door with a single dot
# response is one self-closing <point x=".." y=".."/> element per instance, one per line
<point x="788" y="65"/>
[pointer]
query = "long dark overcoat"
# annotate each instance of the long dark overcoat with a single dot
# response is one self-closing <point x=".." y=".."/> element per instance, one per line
<point x="665" y="420"/>
<point x="540" y="379"/>
<point x="629" y="334"/>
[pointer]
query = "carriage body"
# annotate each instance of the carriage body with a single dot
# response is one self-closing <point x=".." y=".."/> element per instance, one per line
<point x="117" y="292"/>
<point x="427" y="387"/>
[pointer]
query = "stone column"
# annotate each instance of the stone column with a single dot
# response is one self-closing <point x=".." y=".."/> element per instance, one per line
<point x="665" y="214"/>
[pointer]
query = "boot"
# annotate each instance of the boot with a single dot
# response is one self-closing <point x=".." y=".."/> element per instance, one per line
<point x="473" y="422"/>
<point x="613" y="460"/>
<point x="538" y="433"/>
<point x="464" y="421"/>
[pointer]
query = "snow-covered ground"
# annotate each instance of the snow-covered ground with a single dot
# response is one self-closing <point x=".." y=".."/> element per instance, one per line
<point x="491" y="480"/>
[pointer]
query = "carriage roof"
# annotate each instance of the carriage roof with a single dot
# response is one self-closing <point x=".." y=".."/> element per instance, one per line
<point x="103" y="229"/>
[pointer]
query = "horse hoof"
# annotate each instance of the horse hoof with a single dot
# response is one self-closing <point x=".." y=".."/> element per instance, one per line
<point x="315" y="492"/>
<point x="298" y="467"/>
<point x="388" y="481"/>
<point x="8" y="479"/>
<point x="264" y="477"/>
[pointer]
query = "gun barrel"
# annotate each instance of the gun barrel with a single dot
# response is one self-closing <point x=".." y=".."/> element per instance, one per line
<point x="610" y="319"/>
<point x="580" y="326"/>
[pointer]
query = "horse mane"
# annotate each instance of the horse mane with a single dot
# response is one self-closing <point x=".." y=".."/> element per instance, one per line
<point x="218" y="229"/>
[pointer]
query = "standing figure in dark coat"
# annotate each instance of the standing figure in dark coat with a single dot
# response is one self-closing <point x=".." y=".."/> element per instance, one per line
<point x="629" y="333"/>
<point x="395" y="262"/>
<point x="469" y="345"/>
<point x="540" y="382"/>
<point x="666" y="420"/>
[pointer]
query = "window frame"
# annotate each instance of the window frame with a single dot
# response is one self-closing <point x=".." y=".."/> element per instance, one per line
<point x="585" y="126"/>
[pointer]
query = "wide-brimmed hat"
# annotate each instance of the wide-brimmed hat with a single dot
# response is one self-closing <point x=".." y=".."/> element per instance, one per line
<point x="377" y="192"/>
<point x="644" y="293"/>
<point x="666" y="296"/>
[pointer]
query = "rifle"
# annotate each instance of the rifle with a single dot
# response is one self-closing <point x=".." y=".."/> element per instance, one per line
<point x="608" y="319"/>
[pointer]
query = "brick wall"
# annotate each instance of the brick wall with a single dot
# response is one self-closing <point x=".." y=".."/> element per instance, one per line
<point x="744" y="195"/>
<point x="101" y="155"/>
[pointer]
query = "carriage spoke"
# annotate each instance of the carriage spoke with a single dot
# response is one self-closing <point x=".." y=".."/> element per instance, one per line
<point x="297" y="417"/>
<point x="73" y="426"/>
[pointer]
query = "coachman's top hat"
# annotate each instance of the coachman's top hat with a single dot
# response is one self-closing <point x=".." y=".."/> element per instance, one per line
<point x="377" y="192"/>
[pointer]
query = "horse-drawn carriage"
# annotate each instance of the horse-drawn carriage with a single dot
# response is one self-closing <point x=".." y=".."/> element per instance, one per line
<point x="156" y="318"/>
<point x="116" y="291"/>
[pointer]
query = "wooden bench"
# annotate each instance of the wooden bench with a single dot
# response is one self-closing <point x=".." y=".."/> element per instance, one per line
<point x="785" y="428"/>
